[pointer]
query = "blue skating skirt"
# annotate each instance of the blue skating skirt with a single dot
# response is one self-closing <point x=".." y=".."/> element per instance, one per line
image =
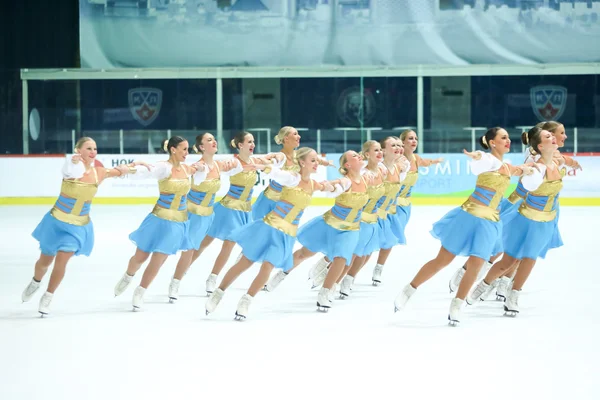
<point x="261" y="242"/>
<point x="199" y="225"/>
<point x="508" y="210"/>
<point x="157" y="235"/>
<point x="227" y="221"/>
<point x="262" y="206"/>
<point x="319" y="237"/>
<point x="368" y="239"/>
<point x="525" y="238"/>
<point x="387" y="239"/>
<point x="399" y="221"/>
<point x="55" y="236"/>
<point x="463" y="234"/>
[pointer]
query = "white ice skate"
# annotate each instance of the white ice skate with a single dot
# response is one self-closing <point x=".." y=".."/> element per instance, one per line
<point x="484" y="270"/>
<point x="323" y="302"/>
<point x="333" y="291"/>
<point x="490" y="290"/>
<point x="346" y="286"/>
<point x="454" y="314"/>
<point x="403" y="297"/>
<point x="377" y="271"/>
<point x="174" y="290"/>
<point x="477" y="294"/>
<point x="213" y="300"/>
<point x="318" y="268"/>
<point x="456" y="278"/>
<point x="138" y="298"/>
<point x="45" y="301"/>
<point x="30" y="290"/>
<point x="511" y="305"/>
<point x="242" y="308"/>
<point x="319" y="279"/>
<point x="211" y="284"/>
<point x="502" y="289"/>
<point x="275" y="281"/>
<point x="123" y="284"/>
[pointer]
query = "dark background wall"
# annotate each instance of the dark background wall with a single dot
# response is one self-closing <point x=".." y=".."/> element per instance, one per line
<point x="33" y="34"/>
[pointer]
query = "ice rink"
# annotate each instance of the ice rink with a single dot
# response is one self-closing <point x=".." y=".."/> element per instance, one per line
<point x="92" y="346"/>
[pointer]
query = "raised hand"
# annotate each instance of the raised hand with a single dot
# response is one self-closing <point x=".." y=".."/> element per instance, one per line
<point x="475" y="155"/>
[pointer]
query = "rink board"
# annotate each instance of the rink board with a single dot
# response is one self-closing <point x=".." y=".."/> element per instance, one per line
<point x="36" y="180"/>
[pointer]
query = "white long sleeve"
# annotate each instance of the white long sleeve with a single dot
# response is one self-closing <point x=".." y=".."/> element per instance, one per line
<point x="72" y="171"/>
<point x="530" y="157"/>
<point x="235" y="170"/>
<point x="339" y="188"/>
<point x="279" y="164"/>
<point x="533" y="181"/>
<point x="200" y="175"/>
<point x="406" y="167"/>
<point x="284" y="178"/>
<point x="486" y="163"/>
<point x="158" y="171"/>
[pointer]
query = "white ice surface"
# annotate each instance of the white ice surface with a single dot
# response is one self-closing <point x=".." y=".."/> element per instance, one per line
<point x="92" y="346"/>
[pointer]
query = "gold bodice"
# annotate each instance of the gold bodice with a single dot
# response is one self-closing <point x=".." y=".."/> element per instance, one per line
<point x="345" y="215"/>
<point x="375" y="194"/>
<point x="540" y="205"/>
<point x="406" y="188"/>
<point x="239" y="195"/>
<point x="485" y="199"/>
<point x="172" y="201"/>
<point x="202" y="196"/>
<point x="73" y="204"/>
<point x="289" y="209"/>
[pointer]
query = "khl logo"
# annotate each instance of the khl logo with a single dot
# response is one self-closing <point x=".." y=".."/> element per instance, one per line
<point x="144" y="104"/>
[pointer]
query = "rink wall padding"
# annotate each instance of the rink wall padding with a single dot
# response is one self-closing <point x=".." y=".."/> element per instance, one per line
<point x="34" y="180"/>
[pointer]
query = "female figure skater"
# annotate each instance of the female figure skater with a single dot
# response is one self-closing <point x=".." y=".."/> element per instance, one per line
<point x="368" y="239"/>
<point x="472" y="229"/>
<point x="509" y="208"/>
<point x="165" y="231"/>
<point x="67" y="229"/>
<point x="289" y="139"/>
<point x="235" y="208"/>
<point x="277" y="230"/>
<point x="336" y="233"/>
<point x="399" y="213"/>
<point x="532" y="230"/>
<point x="200" y="202"/>
<point x="392" y="153"/>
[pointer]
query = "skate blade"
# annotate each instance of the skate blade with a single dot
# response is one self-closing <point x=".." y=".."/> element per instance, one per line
<point x="322" y="309"/>
<point x="343" y="296"/>
<point x="376" y="283"/>
<point x="499" y="297"/>
<point x="43" y="315"/>
<point x="239" y="317"/>
<point x="265" y="288"/>
<point x="510" y="313"/>
<point x="135" y="309"/>
<point x="172" y="300"/>
<point x="450" y="287"/>
<point x="453" y="323"/>
<point x="207" y="312"/>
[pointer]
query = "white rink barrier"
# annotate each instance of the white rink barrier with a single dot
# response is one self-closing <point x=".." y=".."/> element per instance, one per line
<point x="36" y="180"/>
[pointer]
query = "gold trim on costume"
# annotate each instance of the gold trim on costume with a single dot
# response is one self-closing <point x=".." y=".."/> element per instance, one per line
<point x="79" y="220"/>
<point x="281" y="224"/>
<point x="170" y="214"/>
<point x="536" y="215"/>
<point x="481" y="211"/>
